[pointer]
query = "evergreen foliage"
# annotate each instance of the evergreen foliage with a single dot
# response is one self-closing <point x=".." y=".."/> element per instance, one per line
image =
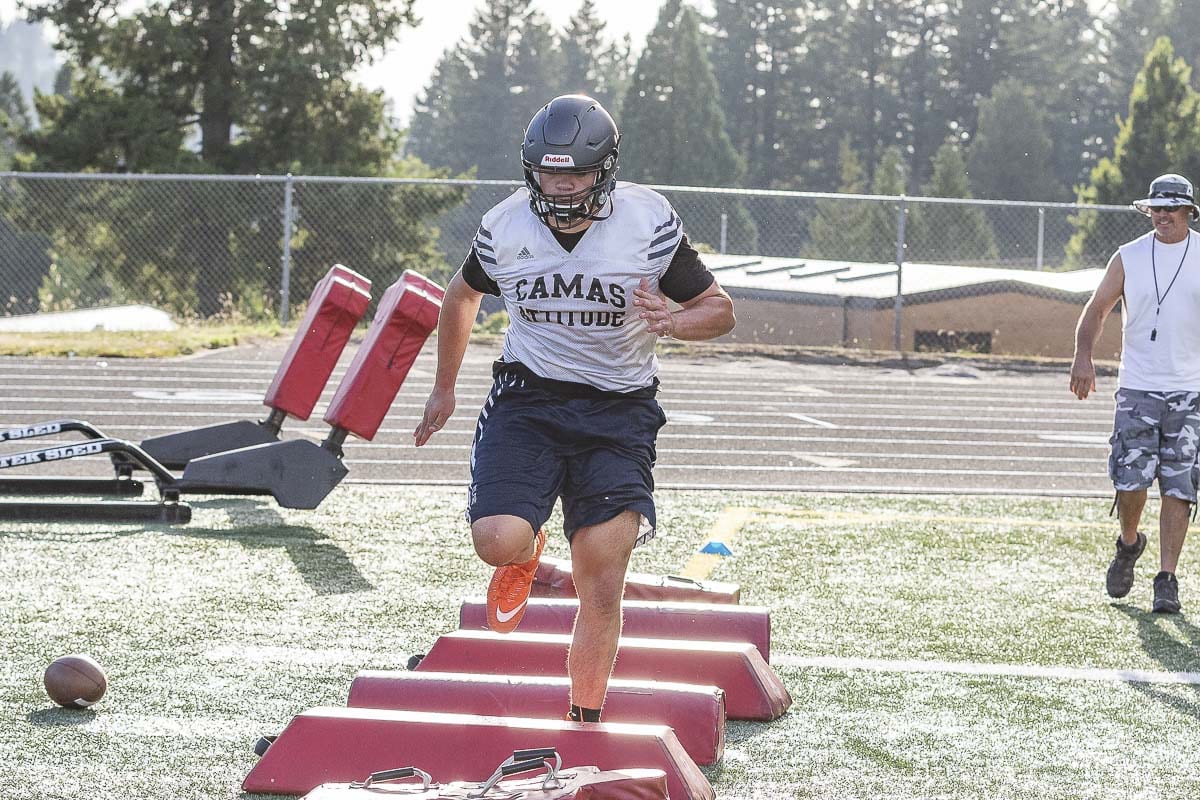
<point x="937" y="232"/>
<point x="592" y="64"/>
<point x="14" y="117"/>
<point x="1160" y="134"/>
<point x="833" y="232"/>
<point x="267" y="89"/>
<point x="673" y="129"/>
<point x="485" y="90"/>
<point x="1010" y="156"/>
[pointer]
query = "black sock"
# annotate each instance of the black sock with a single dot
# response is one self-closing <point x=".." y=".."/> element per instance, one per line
<point x="579" y="714"/>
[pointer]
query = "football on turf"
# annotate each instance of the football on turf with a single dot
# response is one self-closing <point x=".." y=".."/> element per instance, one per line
<point x="75" y="681"/>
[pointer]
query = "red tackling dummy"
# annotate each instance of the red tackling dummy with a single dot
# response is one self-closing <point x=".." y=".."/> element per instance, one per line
<point x="339" y="745"/>
<point x="695" y="713"/>
<point x="553" y="579"/>
<point x="336" y="305"/>
<point x="407" y="314"/>
<point x="752" y="690"/>
<point x="718" y="622"/>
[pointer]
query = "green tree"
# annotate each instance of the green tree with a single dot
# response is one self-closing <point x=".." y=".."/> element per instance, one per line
<point x="833" y="233"/>
<point x="1160" y="134"/>
<point x="484" y="91"/>
<point x="221" y="65"/>
<point x="14" y="117"/>
<point x="1052" y="50"/>
<point x="757" y="55"/>
<point x="958" y="234"/>
<point x="266" y="88"/>
<point x="592" y="64"/>
<point x="1012" y="161"/>
<point x="674" y="130"/>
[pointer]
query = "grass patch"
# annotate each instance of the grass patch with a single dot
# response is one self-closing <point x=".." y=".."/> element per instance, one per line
<point x="219" y="631"/>
<point x="185" y="340"/>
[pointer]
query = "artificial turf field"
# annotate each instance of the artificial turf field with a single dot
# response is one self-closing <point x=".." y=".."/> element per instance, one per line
<point x="219" y="631"/>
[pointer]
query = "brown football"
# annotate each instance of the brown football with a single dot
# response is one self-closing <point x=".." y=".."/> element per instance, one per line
<point x="75" y="681"/>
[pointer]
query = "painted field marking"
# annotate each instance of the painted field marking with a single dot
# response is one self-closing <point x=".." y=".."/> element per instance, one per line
<point x="723" y="531"/>
<point x="998" y="670"/>
<point x="804" y="388"/>
<point x="714" y="546"/>
<point x="199" y="395"/>
<point x="820" y="423"/>
<point x="1074" y="438"/>
<point x="850" y="517"/>
<point x="821" y="461"/>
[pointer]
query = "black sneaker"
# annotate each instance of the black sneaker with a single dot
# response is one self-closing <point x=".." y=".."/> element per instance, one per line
<point x="1120" y="572"/>
<point x="1166" y="594"/>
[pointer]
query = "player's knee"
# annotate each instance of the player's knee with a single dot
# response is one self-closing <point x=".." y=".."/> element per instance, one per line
<point x="601" y="593"/>
<point x="500" y="540"/>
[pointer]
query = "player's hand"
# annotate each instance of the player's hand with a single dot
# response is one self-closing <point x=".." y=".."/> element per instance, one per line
<point x="1083" y="378"/>
<point x="659" y="319"/>
<point x="438" y="409"/>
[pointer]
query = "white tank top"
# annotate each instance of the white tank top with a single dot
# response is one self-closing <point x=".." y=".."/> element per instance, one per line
<point x="1171" y="361"/>
<point x="571" y="314"/>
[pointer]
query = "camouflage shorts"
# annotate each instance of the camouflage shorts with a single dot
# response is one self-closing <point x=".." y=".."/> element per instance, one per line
<point x="1155" y="434"/>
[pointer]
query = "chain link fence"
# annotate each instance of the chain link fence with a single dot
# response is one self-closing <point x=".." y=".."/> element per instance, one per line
<point x="204" y="246"/>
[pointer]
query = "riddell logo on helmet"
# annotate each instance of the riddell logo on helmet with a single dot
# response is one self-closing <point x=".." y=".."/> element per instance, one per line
<point x="551" y="160"/>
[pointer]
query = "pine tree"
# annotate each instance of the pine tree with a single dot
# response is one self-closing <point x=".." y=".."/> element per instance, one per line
<point x="1160" y="134"/>
<point x="14" y="117"/>
<point x="833" y="230"/>
<point x="1012" y="161"/>
<point x="485" y="90"/>
<point x="592" y="64"/>
<point x="673" y="127"/>
<point x="757" y="57"/>
<point x="949" y="233"/>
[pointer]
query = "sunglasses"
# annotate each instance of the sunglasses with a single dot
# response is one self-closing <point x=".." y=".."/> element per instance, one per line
<point x="1167" y="209"/>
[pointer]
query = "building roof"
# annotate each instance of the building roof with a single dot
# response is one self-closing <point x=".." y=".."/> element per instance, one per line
<point x="863" y="285"/>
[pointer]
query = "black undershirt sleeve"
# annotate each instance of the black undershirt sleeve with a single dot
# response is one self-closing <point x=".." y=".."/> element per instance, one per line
<point x="476" y="278"/>
<point x="687" y="276"/>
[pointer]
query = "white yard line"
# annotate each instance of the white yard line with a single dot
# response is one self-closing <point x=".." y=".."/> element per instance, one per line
<point x="820" y="423"/>
<point x="999" y="670"/>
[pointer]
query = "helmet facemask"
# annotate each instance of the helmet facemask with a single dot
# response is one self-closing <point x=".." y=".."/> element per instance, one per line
<point x="562" y="212"/>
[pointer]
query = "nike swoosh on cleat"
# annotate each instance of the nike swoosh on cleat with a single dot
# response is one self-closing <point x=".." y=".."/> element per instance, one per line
<point x="502" y="616"/>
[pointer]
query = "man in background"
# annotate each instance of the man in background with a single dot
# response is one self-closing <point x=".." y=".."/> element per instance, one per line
<point x="1157" y="422"/>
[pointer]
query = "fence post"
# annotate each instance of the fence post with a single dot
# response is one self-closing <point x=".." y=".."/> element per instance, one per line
<point x="901" y="213"/>
<point x="286" y="278"/>
<point x="1041" y="237"/>
<point x="724" y="231"/>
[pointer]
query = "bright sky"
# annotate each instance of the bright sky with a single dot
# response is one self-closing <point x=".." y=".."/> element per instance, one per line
<point x="407" y="65"/>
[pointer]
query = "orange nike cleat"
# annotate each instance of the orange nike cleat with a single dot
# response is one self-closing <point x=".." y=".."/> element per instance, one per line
<point x="508" y="593"/>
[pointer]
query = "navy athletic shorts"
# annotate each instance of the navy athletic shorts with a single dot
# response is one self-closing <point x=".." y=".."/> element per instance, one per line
<point x="538" y="440"/>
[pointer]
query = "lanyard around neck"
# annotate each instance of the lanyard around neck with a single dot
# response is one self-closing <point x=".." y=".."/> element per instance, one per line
<point x="1154" y="271"/>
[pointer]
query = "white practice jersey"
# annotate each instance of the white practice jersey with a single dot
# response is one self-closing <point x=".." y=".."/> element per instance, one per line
<point x="1171" y="360"/>
<point x="571" y="314"/>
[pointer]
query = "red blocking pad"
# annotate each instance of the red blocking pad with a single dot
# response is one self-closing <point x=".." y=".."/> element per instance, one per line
<point x="333" y="745"/>
<point x="719" y="622"/>
<point x="695" y="713"/>
<point x="577" y="783"/>
<point x="406" y="315"/>
<point x="553" y="579"/>
<point x="752" y="689"/>
<point x="417" y="279"/>
<point x="335" y="307"/>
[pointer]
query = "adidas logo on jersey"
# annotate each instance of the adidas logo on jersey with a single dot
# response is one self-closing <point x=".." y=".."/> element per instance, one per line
<point x="524" y="255"/>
